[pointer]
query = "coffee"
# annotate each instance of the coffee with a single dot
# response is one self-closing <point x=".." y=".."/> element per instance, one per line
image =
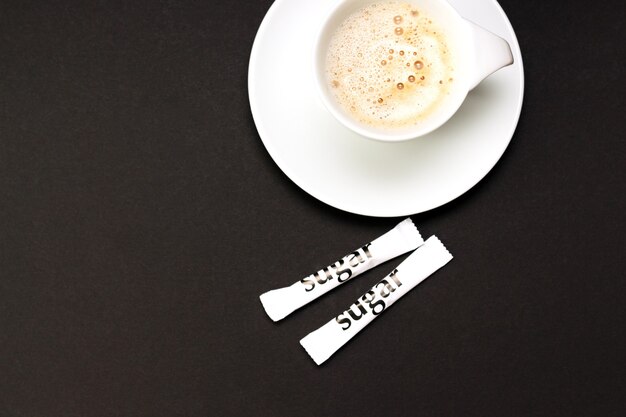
<point x="389" y="65"/>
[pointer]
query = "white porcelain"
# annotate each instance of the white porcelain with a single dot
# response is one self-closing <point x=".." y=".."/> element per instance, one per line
<point x="333" y="163"/>
<point x="478" y="52"/>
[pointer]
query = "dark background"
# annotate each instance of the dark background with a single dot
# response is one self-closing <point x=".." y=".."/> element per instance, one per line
<point x="141" y="217"/>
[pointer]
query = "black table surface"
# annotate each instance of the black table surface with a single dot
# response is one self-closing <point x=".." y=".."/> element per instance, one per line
<point x="141" y="217"/>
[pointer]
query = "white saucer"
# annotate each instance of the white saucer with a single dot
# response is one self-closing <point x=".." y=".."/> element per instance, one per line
<point x="363" y="176"/>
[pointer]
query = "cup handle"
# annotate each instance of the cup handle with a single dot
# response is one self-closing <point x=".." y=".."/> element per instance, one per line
<point x="491" y="53"/>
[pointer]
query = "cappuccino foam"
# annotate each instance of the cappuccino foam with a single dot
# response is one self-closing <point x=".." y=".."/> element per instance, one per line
<point x="389" y="65"/>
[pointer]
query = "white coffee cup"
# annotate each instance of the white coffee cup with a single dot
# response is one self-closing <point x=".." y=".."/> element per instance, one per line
<point x="478" y="53"/>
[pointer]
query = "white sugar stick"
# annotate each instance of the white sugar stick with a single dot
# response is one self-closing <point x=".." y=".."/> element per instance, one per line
<point x="325" y="341"/>
<point x="281" y="302"/>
